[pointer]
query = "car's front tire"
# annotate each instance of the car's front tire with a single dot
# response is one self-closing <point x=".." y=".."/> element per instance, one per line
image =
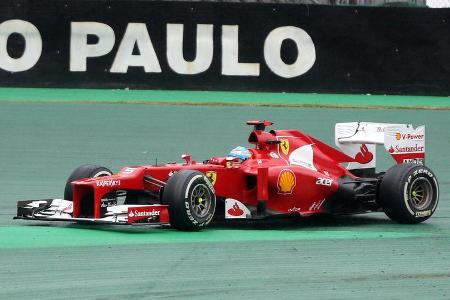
<point x="191" y="199"/>
<point x="409" y="193"/>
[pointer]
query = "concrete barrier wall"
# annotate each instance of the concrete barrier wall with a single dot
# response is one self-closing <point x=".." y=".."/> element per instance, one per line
<point x="224" y="46"/>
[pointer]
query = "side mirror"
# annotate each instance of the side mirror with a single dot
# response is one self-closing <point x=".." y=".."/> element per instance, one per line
<point x="187" y="157"/>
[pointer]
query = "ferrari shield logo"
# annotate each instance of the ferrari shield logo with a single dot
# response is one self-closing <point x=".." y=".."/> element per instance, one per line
<point x="212" y="176"/>
<point x="284" y="145"/>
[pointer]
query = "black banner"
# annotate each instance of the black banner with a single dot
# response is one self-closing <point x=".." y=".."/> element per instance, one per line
<point x="224" y="46"/>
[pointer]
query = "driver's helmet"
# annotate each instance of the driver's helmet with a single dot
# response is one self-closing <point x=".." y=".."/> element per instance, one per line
<point x="240" y="152"/>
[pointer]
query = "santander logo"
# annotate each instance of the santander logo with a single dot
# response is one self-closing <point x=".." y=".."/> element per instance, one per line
<point x="235" y="210"/>
<point x="364" y="156"/>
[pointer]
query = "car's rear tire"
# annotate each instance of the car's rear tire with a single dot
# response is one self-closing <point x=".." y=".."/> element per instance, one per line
<point x="409" y="193"/>
<point x="191" y="199"/>
<point x="86" y="171"/>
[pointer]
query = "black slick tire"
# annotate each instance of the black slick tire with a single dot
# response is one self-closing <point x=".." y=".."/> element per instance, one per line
<point x="86" y="171"/>
<point x="409" y="193"/>
<point x="191" y="199"/>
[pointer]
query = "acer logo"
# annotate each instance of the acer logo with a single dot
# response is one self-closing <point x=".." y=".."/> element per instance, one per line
<point x="324" y="181"/>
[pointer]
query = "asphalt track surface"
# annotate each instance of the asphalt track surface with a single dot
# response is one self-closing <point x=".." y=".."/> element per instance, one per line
<point x="342" y="258"/>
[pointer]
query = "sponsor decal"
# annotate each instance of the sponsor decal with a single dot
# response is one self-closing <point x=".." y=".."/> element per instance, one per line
<point x="418" y="161"/>
<point x="406" y="149"/>
<point x="409" y="136"/>
<point x="171" y="173"/>
<point x="303" y="156"/>
<point x="324" y="181"/>
<point x="404" y="143"/>
<point x="68" y="208"/>
<point x="142" y="213"/>
<point x="235" y="210"/>
<point x="316" y="205"/>
<point x="273" y="155"/>
<point x="108" y="203"/>
<point x="284" y="145"/>
<point x="108" y="182"/>
<point x="212" y="176"/>
<point x="294" y="209"/>
<point x="286" y="182"/>
<point x="364" y="156"/>
<point x="233" y="164"/>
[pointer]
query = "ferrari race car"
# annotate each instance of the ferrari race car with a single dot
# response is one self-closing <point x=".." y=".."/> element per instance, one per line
<point x="287" y="172"/>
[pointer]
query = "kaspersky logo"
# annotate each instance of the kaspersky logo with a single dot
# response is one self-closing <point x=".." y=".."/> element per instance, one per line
<point x="107" y="182"/>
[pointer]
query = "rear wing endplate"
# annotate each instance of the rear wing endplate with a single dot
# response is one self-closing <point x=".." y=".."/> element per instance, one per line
<point x="403" y="142"/>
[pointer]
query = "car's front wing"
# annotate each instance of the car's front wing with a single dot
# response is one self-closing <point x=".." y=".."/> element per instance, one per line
<point x="62" y="210"/>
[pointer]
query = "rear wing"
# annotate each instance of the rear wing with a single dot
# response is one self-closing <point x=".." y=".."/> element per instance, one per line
<point x="403" y="142"/>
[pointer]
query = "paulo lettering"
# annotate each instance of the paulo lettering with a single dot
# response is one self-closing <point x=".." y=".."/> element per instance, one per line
<point x="136" y="49"/>
<point x="137" y="36"/>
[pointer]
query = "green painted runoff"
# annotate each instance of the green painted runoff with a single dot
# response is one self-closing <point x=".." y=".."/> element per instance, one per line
<point x="221" y="98"/>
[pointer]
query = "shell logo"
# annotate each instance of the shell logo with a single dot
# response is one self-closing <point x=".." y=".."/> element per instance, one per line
<point x="398" y="136"/>
<point x="286" y="182"/>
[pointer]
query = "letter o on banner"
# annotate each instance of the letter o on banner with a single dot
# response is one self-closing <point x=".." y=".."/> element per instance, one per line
<point x="306" y="51"/>
<point x="33" y="45"/>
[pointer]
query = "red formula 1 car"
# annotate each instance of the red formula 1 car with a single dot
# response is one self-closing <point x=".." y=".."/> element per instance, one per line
<point x="286" y="172"/>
